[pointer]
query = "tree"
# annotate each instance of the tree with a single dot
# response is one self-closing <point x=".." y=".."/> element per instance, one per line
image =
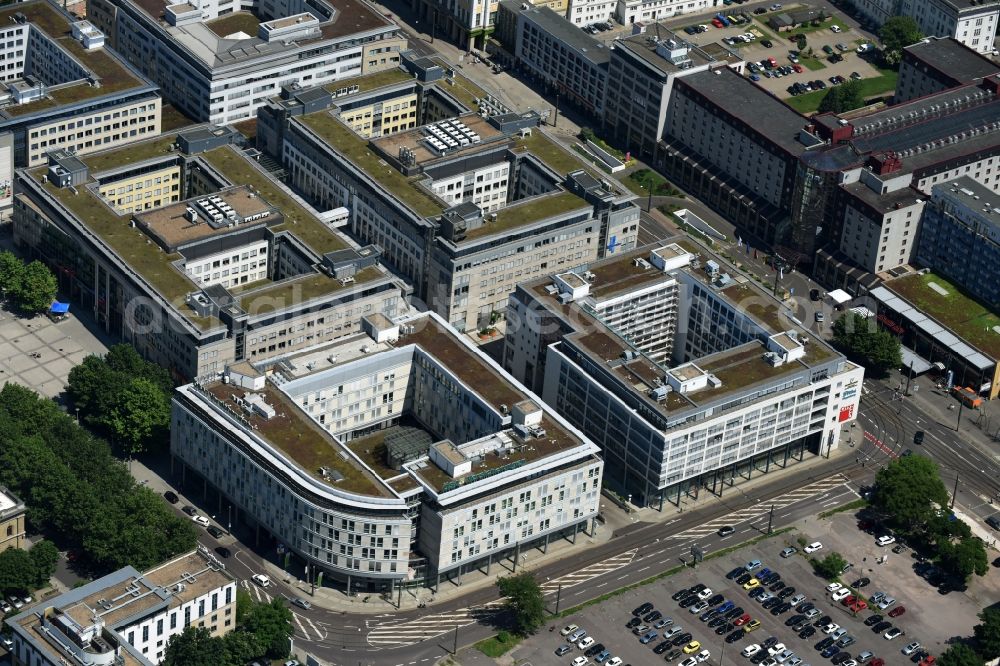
<point x="963" y="558"/>
<point x="139" y="411"/>
<point x="524" y="601"/>
<point x="195" y="646"/>
<point x="44" y="558"/>
<point x="11" y="269"/>
<point x="16" y="570"/>
<point x="832" y="102"/>
<point x="909" y="491"/>
<point x="875" y="348"/>
<point x="896" y="33"/>
<point x="800" y="42"/>
<point x="987" y="633"/>
<point x="959" y="654"/>
<point x="36" y="289"/>
<point x="830" y="566"/>
<point x="271" y="624"/>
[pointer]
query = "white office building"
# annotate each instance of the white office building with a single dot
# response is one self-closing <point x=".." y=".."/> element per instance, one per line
<point x="744" y="389"/>
<point x="971" y="22"/>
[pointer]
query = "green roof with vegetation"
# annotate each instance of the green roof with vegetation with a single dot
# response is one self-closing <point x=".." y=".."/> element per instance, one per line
<point x="298" y="290"/>
<point x="114" y="76"/>
<point x="356" y="150"/>
<point x="967" y="318"/>
<point x="372" y="81"/>
<point x="534" y="209"/>
<point x="244" y="22"/>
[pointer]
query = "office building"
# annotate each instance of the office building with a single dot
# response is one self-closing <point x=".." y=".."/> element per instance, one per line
<point x="970" y="22"/>
<point x="219" y="65"/>
<point x="582" y="13"/>
<point x="403" y="455"/>
<point x="935" y="64"/>
<point x="126" y="617"/>
<point x="564" y="59"/>
<point x="686" y="376"/>
<point x="61" y="87"/>
<point x="629" y="12"/>
<point x="12" y="514"/>
<point x="189" y="251"/>
<point x="462" y="208"/>
<point x="960" y="238"/>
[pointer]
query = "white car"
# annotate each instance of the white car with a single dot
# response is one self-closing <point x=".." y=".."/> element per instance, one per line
<point x="895" y="632"/>
<point x="775" y="649"/>
<point x="885" y="540"/>
<point x="813" y="547"/>
<point x="705" y="594"/>
<point x="690" y="661"/>
<point x="835" y="28"/>
<point x="833" y="587"/>
<point x="580" y="661"/>
<point x="750" y="650"/>
<point x="586" y="642"/>
<point x="703" y="656"/>
<point x="569" y="629"/>
<point x="911" y="648"/>
<point x="830" y="628"/>
<point x="614" y="661"/>
<point x="840" y="594"/>
<point x="261" y="580"/>
<point x="201" y="520"/>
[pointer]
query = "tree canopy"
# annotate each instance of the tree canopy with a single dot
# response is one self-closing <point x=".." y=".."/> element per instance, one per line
<point x="524" y="601"/>
<point x="987" y="633"/>
<point x="32" y="287"/>
<point x="830" y="566"/>
<point x="897" y="33"/>
<point x="964" y="557"/>
<point x="125" y="396"/>
<point x="909" y="492"/>
<point x="959" y="654"/>
<point x="845" y="97"/>
<point x="875" y="348"/>
<point x="77" y="491"/>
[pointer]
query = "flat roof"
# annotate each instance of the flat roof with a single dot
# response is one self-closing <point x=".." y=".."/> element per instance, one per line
<point x="883" y="203"/>
<point x="640" y="46"/>
<point x="198" y="575"/>
<point x="156" y="266"/>
<point x="371" y="81"/>
<point x="114" y="75"/>
<point x="568" y="33"/>
<point x="414" y="140"/>
<point x="966" y="317"/>
<point x="951" y="58"/>
<point x="975" y="195"/>
<point x="743" y="99"/>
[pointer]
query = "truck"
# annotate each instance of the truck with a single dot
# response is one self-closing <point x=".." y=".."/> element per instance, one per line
<point x="967" y="396"/>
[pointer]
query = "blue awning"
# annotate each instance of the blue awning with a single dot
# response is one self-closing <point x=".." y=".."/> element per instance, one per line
<point x="59" y="308"/>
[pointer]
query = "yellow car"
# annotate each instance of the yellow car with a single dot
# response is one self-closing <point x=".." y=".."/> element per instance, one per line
<point x="752" y="625"/>
<point x="692" y="647"/>
<point x="751" y="584"/>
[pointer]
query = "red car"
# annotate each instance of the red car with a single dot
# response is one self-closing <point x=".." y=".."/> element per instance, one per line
<point x="848" y="600"/>
<point x="877" y="661"/>
<point x="717" y="23"/>
<point x="742" y="619"/>
<point x="798" y="68"/>
<point x="897" y="611"/>
<point x="928" y="660"/>
<point x="858" y="606"/>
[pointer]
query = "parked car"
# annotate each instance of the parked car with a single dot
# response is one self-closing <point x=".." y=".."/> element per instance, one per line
<point x="815" y="545"/>
<point x="562" y="649"/>
<point x="189" y="510"/>
<point x="897" y="611"/>
<point x="789" y="551"/>
<point x="216" y="532"/>
<point x="171" y="497"/>
<point x="885" y="540"/>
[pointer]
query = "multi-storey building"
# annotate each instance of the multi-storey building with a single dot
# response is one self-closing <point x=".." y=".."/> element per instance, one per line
<point x="64" y="89"/>
<point x="960" y="237"/>
<point x="399" y="456"/>
<point x="562" y="57"/>
<point x="463" y="208"/>
<point x="588" y="12"/>
<point x="635" y="11"/>
<point x="12" y="514"/>
<point x="189" y="251"/>
<point x="127" y="617"/>
<point x="710" y="381"/>
<point x="935" y="64"/>
<point x="221" y="65"/>
<point x="971" y="22"/>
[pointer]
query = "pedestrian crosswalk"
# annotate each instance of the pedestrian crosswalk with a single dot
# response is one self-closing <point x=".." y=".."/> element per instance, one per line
<point x="414" y="631"/>
<point x="760" y="511"/>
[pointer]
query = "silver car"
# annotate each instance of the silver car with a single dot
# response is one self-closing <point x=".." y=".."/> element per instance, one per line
<point x="577" y="636"/>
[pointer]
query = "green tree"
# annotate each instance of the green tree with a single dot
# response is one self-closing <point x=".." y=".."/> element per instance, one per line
<point x="897" y="33"/>
<point x="987" y="633"/>
<point x="875" y="348"/>
<point x="242" y="647"/>
<point x="244" y="602"/>
<point x="959" y="654"/>
<point x="910" y="492"/>
<point x="800" y="42"/>
<point x="16" y="570"/>
<point x="44" y="558"/>
<point x="195" y="646"/>
<point x="271" y="624"/>
<point x="832" y="102"/>
<point x="845" y="97"/>
<point x="36" y="289"/>
<point x="11" y="270"/>
<point x="963" y="558"/>
<point x="139" y="412"/>
<point x="830" y="566"/>
<point x="524" y="601"/>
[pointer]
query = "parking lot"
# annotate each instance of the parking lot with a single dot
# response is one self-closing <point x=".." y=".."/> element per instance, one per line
<point x="927" y="618"/>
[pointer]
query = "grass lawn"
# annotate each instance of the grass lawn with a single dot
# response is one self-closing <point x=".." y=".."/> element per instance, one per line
<point x="639" y="181"/>
<point x="814" y="64"/>
<point x="966" y="317"/>
<point x="871" y="87"/>
<point x="244" y="22"/>
<point x="825" y="25"/>
<point x="495" y="648"/>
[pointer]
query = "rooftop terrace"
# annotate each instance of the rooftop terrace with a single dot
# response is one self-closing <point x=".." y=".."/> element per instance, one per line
<point x="114" y="76"/>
